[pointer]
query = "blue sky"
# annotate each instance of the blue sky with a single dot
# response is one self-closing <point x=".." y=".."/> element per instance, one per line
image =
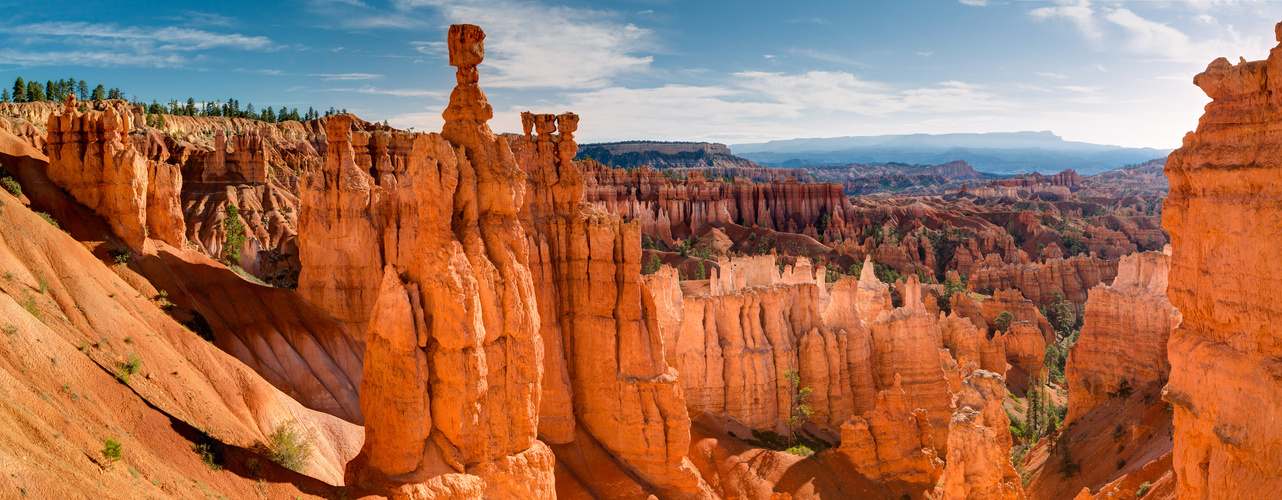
<point x="741" y="71"/>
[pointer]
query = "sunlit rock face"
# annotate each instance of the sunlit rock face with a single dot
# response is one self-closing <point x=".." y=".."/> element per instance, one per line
<point x="1124" y="336"/>
<point x="1222" y="214"/>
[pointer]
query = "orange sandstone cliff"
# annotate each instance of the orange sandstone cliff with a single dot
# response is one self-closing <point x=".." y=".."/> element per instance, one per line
<point x="1221" y="214"/>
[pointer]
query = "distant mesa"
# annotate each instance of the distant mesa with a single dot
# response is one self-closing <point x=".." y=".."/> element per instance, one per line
<point x="998" y="152"/>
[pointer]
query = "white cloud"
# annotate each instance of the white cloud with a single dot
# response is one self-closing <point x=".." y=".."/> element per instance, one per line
<point x="346" y="76"/>
<point x="925" y="54"/>
<point x="532" y="45"/>
<point x="975" y="3"/>
<point x="1079" y="13"/>
<point x="1049" y="75"/>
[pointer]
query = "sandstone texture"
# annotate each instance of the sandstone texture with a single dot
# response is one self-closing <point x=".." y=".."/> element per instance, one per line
<point x="1124" y="336"/>
<point x="1224" y="356"/>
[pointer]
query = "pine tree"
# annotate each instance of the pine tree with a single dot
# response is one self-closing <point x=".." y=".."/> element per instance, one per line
<point x="35" y="92"/>
<point x="191" y="107"/>
<point x="115" y="93"/>
<point x="269" y="115"/>
<point x="249" y="111"/>
<point x="234" y="238"/>
<point x="99" y="93"/>
<point x="4" y="96"/>
<point x="82" y="88"/>
<point x="19" y="90"/>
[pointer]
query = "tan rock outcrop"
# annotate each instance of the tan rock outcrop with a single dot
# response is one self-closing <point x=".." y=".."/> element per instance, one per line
<point x="1124" y="336"/>
<point x="1222" y="217"/>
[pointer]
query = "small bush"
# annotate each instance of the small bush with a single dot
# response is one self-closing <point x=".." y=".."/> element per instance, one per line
<point x="289" y="448"/>
<point x="800" y="450"/>
<point x="130" y="367"/>
<point x="111" y="451"/>
<point x="12" y="186"/>
<point x="11" y="329"/>
<point x="121" y="256"/>
<point x="652" y="265"/>
<point x="1144" y="487"/>
<point x="211" y="452"/>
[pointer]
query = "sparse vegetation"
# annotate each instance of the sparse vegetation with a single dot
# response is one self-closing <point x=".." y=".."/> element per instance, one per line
<point x="210" y="452"/>
<point x="120" y="255"/>
<point x="652" y="266"/>
<point x="130" y="367"/>
<point x="49" y="218"/>
<point x="1144" y="487"/>
<point x="885" y="273"/>
<point x="1002" y="323"/>
<point x="289" y="447"/>
<point x="111" y="450"/>
<point x="799" y="409"/>
<point x="234" y="239"/>
<point x="11" y="186"/>
<point x="800" y="450"/>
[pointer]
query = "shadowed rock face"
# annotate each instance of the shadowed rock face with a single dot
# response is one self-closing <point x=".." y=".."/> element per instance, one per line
<point x="1223" y="218"/>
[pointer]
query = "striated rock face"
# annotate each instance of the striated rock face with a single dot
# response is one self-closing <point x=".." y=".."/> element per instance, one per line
<point x="1124" y="335"/>
<point x="1222" y="217"/>
<point x="608" y="386"/>
<point x="906" y="345"/>
<point x="978" y="465"/>
<point x="92" y="157"/>
<point x="452" y="381"/>
<point x="1038" y="282"/>
<point x="675" y="208"/>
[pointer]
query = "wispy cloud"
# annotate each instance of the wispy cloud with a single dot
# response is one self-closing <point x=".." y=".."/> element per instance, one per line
<point x="88" y="58"/>
<point x="272" y="72"/>
<point x="1056" y="76"/>
<point x="1079" y="13"/>
<point x="368" y="89"/>
<point x="529" y="43"/>
<point x="346" y="76"/>
<point x="975" y="3"/>
<point x="164" y="39"/>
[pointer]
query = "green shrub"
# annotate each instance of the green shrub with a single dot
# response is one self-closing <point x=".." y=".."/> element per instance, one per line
<point x="131" y="367"/>
<point x="120" y="255"/>
<point x="289" y="448"/>
<point x="11" y="185"/>
<point x="211" y="453"/>
<point x="1144" y="487"/>
<point x="1003" y="321"/>
<point x="652" y="266"/>
<point x="800" y="450"/>
<point x="234" y="240"/>
<point x="111" y="451"/>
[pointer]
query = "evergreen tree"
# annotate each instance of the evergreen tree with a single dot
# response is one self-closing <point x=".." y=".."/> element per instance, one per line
<point x="99" y="93"/>
<point x="234" y="238"/>
<point x="115" y="93"/>
<point x="269" y="115"/>
<point x="35" y="92"/>
<point x="51" y="90"/>
<point x="82" y="88"/>
<point x="4" y="96"/>
<point x="191" y="107"/>
<point x="249" y="111"/>
<point x="19" y="90"/>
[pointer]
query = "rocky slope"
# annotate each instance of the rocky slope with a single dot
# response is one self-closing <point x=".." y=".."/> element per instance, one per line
<point x="1224" y="356"/>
